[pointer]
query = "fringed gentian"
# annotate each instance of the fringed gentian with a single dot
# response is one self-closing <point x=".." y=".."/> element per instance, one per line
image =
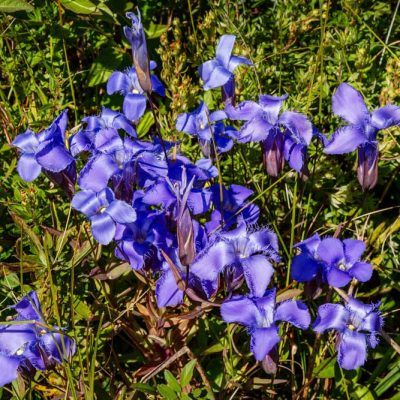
<point x="218" y="72"/>
<point x="241" y="253"/>
<point x="137" y="38"/>
<point x="336" y="261"/>
<point x="207" y="127"/>
<point x="284" y="136"/>
<point x="361" y="131"/>
<point x="47" y="150"/>
<point x="127" y="83"/>
<point x="261" y="315"/>
<point x="30" y="345"/>
<point x="357" y="326"/>
<point x="104" y="211"/>
<point x="232" y="208"/>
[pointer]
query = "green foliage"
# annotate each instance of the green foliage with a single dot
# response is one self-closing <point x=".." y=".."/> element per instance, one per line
<point x="60" y="54"/>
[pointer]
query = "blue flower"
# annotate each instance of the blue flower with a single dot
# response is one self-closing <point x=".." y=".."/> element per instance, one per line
<point x="264" y="125"/>
<point x="27" y="345"/>
<point x="337" y="262"/>
<point x="137" y="38"/>
<point x="247" y="253"/>
<point x="361" y="131"/>
<point x="127" y="83"/>
<point x="104" y="211"/>
<point x="357" y="325"/>
<point x="219" y="71"/>
<point x="260" y="315"/>
<point x="45" y="150"/>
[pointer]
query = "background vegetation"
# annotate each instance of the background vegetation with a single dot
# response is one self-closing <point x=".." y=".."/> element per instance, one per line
<point x="57" y="54"/>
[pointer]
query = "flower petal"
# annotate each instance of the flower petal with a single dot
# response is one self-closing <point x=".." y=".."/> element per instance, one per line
<point x="295" y="312"/>
<point x="304" y="268"/>
<point x="86" y="202"/>
<point x="349" y="104"/>
<point x="255" y="130"/>
<point x="240" y="309"/>
<point x="27" y="141"/>
<point x="245" y="111"/>
<point x="330" y="250"/>
<point x="157" y="86"/>
<point x="386" y="116"/>
<point x="298" y="125"/>
<point x="352" y="350"/>
<point x="272" y="105"/>
<point x="345" y="140"/>
<point x="16" y="337"/>
<point x="97" y="172"/>
<point x="362" y="271"/>
<point x="337" y="278"/>
<point x="263" y="340"/>
<point x="118" y="82"/>
<point x="331" y="316"/>
<point x="121" y="212"/>
<point x="28" y="168"/>
<point x="353" y="250"/>
<point x="9" y="369"/>
<point x="167" y="291"/>
<point x="29" y="307"/>
<point x="108" y="140"/>
<point x="235" y="61"/>
<point x="103" y="228"/>
<point x="297" y="157"/>
<point x="257" y="272"/>
<point x="216" y="77"/>
<point x="58" y="346"/>
<point x="213" y="260"/>
<point x="53" y="156"/>
<point x="134" y="106"/>
<point x="224" y="49"/>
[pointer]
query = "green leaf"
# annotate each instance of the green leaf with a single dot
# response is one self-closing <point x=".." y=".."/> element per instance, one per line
<point x="167" y="392"/>
<point x="326" y="369"/>
<point x="10" y="281"/>
<point x="187" y="372"/>
<point x="155" y="30"/>
<point x="145" y="124"/>
<point x="10" y="6"/>
<point x="81" y="6"/>
<point x="362" y="393"/>
<point x="215" y="348"/>
<point x="172" y="382"/>
<point x="145" y="388"/>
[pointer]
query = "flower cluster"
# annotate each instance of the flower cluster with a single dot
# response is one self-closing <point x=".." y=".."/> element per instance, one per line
<point x="172" y="217"/>
<point x="27" y="343"/>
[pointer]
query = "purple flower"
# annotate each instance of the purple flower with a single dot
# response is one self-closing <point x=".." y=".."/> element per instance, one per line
<point x="127" y="83"/>
<point x="337" y="261"/>
<point x="361" y="131"/>
<point x="264" y="125"/>
<point x="247" y="253"/>
<point x="137" y="39"/>
<point x="104" y="212"/>
<point x="261" y="315"/>
<point x="357" y="325"/>
<point x="28" y="345"/>
<point x="45" y="150"/>
<point x="219" y="71"/>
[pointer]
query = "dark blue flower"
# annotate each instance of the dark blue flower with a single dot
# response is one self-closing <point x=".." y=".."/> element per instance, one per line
<point x="30" y="344"/>
<point x="104" y="211"/>
<point x="260" y="315"/>
<point x="357" y="325"/>
<point x="127" y="83"/>
<point x="361" y="131"/>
